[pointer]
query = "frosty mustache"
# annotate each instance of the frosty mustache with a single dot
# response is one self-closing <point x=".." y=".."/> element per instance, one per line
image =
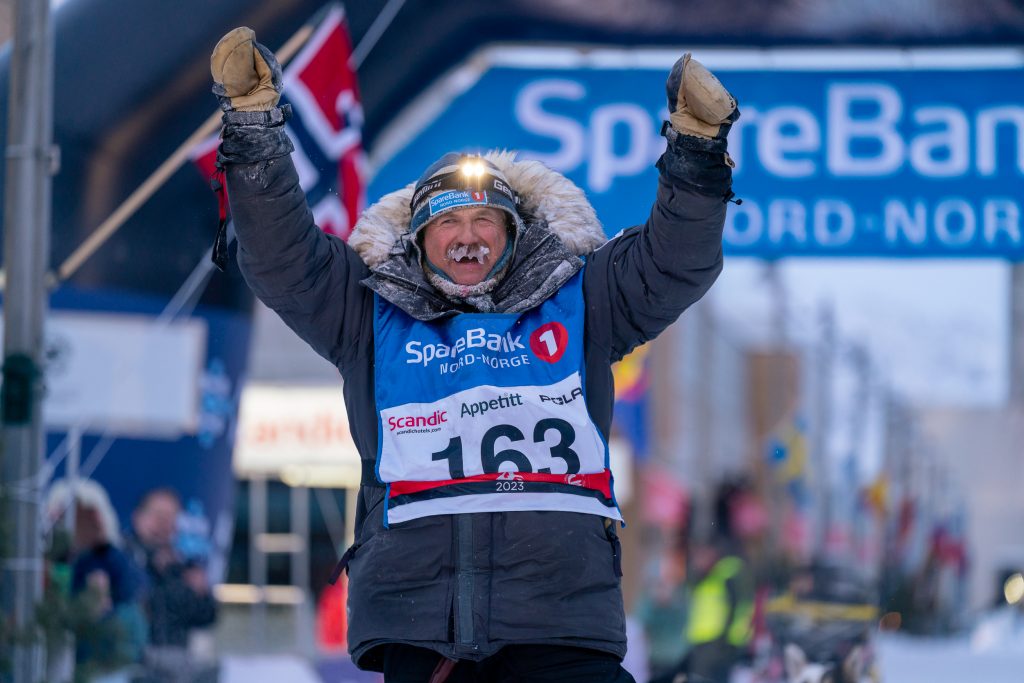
<point x="460" y="252"/>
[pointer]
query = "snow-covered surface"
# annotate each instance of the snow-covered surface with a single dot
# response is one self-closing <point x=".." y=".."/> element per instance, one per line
<point x="1000" y="631"/>
<point x="994" y="653"/>
<point x="940" y="660"/>
<point x="272" y="669"/>
<point x="635" y="661"/>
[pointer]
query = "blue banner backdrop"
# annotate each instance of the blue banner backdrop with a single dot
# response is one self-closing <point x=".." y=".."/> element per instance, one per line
<point x="866" y="154"/>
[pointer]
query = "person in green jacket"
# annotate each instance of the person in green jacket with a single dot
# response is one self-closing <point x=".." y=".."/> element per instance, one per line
<point x="720" y="625"/>
<point x="719" y="622"/>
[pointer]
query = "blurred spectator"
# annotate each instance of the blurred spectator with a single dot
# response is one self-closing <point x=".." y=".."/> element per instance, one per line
<point x="721" y="610"/>
<point x="662" y="612"/>
<point x="178" y="598"/>
<point x="106" y="615"/>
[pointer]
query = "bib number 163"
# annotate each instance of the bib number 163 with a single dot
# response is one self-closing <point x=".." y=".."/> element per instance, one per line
<point x="493" y="460"/>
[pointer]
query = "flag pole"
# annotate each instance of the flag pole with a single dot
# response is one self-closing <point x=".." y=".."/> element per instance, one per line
<point x="160" y="176"/>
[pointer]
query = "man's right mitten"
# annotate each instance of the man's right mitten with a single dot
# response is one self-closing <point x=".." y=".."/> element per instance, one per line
<point x="246" y="75"/>
<point x="247" y="80"/>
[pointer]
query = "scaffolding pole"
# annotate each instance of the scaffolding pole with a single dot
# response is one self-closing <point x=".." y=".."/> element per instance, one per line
<point x="31" y="160"/>
<point x="1017" y="335"/>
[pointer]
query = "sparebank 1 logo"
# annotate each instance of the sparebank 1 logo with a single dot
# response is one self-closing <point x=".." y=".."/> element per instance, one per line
<point x="549" y="341"/>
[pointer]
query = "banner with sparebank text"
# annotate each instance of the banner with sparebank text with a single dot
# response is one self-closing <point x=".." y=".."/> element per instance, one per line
<point x="866" y="153"/>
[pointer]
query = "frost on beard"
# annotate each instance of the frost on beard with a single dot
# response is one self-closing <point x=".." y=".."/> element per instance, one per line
<point x="477" y="252"/>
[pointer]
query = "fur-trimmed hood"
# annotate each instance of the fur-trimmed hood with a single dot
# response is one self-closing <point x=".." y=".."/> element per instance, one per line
<point x="545" y="195"/>
<point x="558" y="227"/>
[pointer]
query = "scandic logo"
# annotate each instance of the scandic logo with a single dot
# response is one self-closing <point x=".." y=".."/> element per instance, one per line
<point x="408" y="421"/>
<point x="423" y="354"/>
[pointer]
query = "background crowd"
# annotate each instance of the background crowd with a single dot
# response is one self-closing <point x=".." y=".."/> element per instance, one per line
<point x="134" y="602"/>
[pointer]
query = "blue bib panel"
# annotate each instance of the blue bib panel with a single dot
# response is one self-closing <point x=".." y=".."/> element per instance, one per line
<point x="487" y="413"/>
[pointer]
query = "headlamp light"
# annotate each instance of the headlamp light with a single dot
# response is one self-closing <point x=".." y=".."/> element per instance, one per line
<point x="473" y="169"/>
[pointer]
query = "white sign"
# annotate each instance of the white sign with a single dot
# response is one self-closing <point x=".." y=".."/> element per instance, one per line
<point x="299" y="434"/>
<point x="125" y="375"/>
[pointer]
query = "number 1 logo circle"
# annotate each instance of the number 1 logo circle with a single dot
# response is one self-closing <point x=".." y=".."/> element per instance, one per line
<point x="549" y="341"/>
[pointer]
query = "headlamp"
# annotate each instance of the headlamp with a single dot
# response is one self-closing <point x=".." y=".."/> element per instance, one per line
<point x="460" y="180"/>
<point x="473" y="169"/>
<point x="471" y="173"/>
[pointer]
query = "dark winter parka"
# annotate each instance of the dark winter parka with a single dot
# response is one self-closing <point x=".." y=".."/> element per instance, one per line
<point x="466" y="585"/>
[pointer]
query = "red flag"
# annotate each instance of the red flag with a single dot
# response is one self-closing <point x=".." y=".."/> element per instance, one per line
<point x="326" y="127"/>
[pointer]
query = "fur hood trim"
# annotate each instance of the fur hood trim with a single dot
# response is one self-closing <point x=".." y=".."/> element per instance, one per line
<point x="544" y="195"/>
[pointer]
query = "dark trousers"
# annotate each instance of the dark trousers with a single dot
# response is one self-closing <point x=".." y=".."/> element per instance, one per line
<point x="512" y="664"/>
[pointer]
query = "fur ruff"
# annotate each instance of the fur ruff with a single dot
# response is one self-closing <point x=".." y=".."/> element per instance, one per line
<point x="544" y="194"/>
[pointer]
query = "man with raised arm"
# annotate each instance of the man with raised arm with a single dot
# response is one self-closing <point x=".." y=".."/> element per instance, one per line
<point x="474" y="316"/>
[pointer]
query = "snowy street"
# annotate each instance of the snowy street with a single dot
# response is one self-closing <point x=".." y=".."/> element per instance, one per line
<point x="940" y="660"/>
<point x="903" y="660"/>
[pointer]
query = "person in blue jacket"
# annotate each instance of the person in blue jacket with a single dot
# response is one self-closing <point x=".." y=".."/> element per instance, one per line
<point x="105" y="615"/>
<point x="474" y="316"/>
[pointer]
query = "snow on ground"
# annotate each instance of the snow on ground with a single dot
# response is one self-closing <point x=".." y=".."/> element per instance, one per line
<point x="272" y="669"/>
<point x="995" y="654"/>
<point x="946" y="660"/>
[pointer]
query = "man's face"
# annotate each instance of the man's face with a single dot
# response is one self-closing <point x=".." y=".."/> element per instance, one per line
<point x="466" y="243"/>
<point x="157" y="522"/>
<point x="88" y="527"/>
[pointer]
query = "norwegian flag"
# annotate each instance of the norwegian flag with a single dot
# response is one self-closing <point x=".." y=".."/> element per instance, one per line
<point x="326" y="127"/>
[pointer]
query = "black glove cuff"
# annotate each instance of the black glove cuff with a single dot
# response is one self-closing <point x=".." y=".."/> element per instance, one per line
<point x="692" y="142"/>
<point x="275" y="116"/>
<point x="252" y="136"/>
<point x="699" y="163"/>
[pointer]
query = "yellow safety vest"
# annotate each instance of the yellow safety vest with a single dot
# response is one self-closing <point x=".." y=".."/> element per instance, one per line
<point x="709" y="608"/>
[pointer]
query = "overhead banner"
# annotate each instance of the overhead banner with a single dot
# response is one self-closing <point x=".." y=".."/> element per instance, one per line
<point x="869" y="153"/>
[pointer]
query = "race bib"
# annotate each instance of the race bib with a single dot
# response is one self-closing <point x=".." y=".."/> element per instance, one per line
<point x="484" y="413"/>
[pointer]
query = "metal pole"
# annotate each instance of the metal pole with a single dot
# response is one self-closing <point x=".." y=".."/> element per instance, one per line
<point x="778" y="390"/>
<point x="1017" y="335"/>
<point x="305" y="637"/>
<point x="258" y="558"/>
<point x="861" y="361"/>
<point x="779" y="303"/>
<point x="30" y="160"/>
<point x="823" y="425"/>
<point x="60" y="656"/>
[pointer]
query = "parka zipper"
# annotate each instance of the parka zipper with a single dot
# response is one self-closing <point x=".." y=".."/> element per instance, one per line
<point x="464" y="583"/>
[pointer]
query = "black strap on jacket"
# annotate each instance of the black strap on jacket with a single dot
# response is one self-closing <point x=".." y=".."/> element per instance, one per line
<point x="342" y="565"/>
<point x="613" y="538"/>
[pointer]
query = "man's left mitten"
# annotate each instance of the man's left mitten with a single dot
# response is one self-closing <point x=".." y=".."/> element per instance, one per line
<point x="698" y="103"/>
<point x="701" y="112"/>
